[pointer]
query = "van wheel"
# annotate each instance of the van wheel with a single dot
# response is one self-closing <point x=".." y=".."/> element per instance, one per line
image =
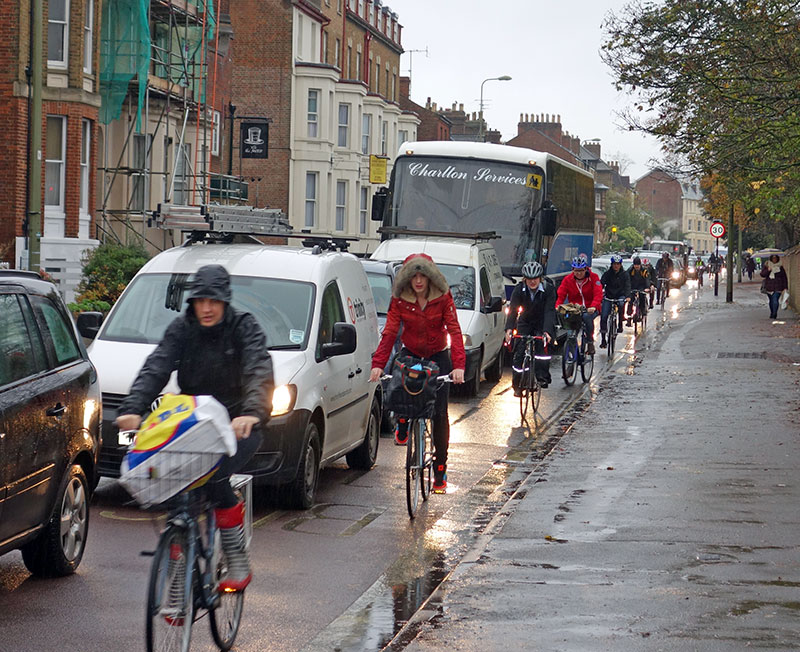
<point x="365" y="455"/>
<point x="472" y="385"/>
<point x="494" y="372"/>
<point x="59" y="548"/>
<point x="300" y="493"/>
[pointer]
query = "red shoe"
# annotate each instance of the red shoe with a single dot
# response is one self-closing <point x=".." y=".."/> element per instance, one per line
<point x="401" y="436"/>
<point x="440" y="479"/>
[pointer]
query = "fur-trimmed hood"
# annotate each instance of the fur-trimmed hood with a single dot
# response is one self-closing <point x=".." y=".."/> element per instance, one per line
<point x="424" y="264"/>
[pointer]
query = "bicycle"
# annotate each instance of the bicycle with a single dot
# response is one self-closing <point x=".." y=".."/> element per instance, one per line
<point x="611" y="324"/>
<point x="177" y="598"/>
<point x="530" y="389"/>
<point x="574" y="352"/>
<point x="663" y="291"/>
<point x="419" y="453"/>
<point x="638" y="314"/>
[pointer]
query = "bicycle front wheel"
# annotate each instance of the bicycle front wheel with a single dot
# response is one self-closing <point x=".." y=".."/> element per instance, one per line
<point x="569" y="361"/>
<point x="170" y="594"/>
<point x="587" y="364"/>
<point x="426" y="458"/>
<point x="413" y="467"/>
<point x="612" y="332"/>
<point x="524" y="391"/>
<point x="226" y="616"/>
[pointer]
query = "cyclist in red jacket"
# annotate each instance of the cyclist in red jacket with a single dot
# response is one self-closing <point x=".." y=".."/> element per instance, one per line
<point x="422" y="303"/>
<point x="582" y="288"/>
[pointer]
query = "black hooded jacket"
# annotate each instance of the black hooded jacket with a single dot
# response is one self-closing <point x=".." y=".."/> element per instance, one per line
<point x="228" y="361"/>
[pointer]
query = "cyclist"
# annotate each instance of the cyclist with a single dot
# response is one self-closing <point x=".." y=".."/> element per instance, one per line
<point x="664" y="268"/>
<point x="532" y="311"/>
<point x="641" y="279"/>
<point x="221" y="352"/>
<point x="582" y="288"/>
<point x="701" y="268"/>
<point x="617" y="287"/>
<point x="422" y="304"/>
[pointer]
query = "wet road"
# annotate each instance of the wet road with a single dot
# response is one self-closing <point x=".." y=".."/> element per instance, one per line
<point x="345" y="575"/>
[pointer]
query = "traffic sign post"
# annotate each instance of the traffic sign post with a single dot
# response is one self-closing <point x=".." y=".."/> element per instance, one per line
<point x="717" y="229"/>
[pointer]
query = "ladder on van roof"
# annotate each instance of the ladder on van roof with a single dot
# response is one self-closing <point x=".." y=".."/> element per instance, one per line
<point x="221" y="218"/>
<point x="402" y="230"/>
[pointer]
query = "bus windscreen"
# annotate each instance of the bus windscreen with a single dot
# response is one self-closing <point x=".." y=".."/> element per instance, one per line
<point x="471" y="196"/>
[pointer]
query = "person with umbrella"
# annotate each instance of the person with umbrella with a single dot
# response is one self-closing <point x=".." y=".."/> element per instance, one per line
<point x="775" y="282"/>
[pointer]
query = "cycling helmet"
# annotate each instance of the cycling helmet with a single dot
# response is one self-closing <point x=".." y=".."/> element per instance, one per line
<point x="532" y="270"/>
<point x="616" y="258"/>
<point x="580" y="262"/>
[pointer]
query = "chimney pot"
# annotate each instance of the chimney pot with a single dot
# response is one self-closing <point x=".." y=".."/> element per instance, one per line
<point x="461" y="108"/>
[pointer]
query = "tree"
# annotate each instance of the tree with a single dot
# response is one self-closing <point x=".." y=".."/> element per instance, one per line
<point x="718" y="82"/>
<point x="107" y="270"/>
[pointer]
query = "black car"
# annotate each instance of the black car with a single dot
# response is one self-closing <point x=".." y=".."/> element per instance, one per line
<point x="49" y="427"/>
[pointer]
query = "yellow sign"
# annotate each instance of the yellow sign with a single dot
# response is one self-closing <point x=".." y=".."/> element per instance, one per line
<point x="377" y="168"/>
<point x="534" y="181"/>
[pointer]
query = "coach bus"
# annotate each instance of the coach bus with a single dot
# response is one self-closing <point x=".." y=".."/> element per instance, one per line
<point x="540" y="207"/>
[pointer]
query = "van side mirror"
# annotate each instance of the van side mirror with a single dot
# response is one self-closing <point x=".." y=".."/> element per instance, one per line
<point x="343" y="342"/>
<point x="549" y="220"/>
<point x="89" y="323"/>
<point x="495" y="304"/>
<point x="379" y="204"/>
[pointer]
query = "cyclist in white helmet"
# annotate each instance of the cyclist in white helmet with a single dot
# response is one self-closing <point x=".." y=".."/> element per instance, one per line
<point x="532" y="312"/>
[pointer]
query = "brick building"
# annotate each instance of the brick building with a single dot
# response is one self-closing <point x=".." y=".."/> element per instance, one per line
<point x="433" y="124"/>
<point x="70" y="104"/>
<point x="659" y="194"/>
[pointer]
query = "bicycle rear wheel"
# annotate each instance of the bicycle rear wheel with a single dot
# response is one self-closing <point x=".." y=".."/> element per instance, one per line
<point x="426" y="457"/>
<point x="226" y="616"/>
<point x="413" y="467"/>
<point x="569" y="361"/>
<point x="170" y="594"/>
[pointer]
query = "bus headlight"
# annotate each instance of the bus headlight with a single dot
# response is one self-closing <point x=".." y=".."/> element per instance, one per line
<point x="283" y="399"/>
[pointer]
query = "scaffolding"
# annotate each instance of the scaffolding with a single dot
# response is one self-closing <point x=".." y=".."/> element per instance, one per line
<point x="158" y="87"/>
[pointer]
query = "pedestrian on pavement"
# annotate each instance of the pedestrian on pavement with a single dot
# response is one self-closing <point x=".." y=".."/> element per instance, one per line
<point x="219" y="351"/>
<point x="775" y="282"/>
<point x="422" y="304"/>
<point x="532" y="312"/>
<point x="750" y="266"/>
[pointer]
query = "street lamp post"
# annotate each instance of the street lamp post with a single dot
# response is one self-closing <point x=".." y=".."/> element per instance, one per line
<point x="481" y="134"/>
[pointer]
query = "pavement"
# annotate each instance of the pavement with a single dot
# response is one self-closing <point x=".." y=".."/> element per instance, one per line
<point x="666" y="518"/>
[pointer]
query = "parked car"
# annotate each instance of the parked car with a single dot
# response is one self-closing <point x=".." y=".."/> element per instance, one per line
<point x="318" y="313"/>
<point x="49" y="427"/>
<point x="476" y="282"/>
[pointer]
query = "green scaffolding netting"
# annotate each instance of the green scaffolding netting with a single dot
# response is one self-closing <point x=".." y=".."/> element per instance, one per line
<point x="128" y="44"/>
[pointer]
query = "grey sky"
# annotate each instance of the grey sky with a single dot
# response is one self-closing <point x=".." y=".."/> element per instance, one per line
<point x="550" y="49"/>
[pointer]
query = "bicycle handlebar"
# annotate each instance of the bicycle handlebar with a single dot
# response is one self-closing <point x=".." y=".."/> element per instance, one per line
<point x="447" y="378"/>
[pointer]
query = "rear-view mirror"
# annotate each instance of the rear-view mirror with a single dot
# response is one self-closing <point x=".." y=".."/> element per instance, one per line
<point x="343" y="340"/>
<point x="89" y="323"/>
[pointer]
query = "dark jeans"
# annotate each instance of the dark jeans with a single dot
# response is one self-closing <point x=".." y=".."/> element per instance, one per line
<point x="219" y="487"/>
<point x="588" y="325"/>
<point x="774" y="302"/>
<point x="440" y="418"/>
<point x="541" y="366"/>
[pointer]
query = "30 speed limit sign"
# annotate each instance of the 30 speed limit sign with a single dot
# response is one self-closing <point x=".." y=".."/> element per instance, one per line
<point x="717" y="229"/>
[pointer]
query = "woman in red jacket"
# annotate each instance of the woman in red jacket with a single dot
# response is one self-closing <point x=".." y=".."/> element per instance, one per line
<point x="422" y="303"/>
<point x="583" y="288"/>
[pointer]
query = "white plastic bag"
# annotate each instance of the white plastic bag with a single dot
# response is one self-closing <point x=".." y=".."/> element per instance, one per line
<point x="784" y="299"/>
<point x="179" y="447"/>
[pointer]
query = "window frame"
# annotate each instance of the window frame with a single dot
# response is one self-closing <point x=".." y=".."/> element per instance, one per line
<point x="312" y="117"/>
<point x="340" y="211"/>
<point x="63" y="62"/>
<point x="60" y="206"/>
<point x="86" y="157"/>
<point x="366" y="132"/>
<point x="88" y="37"/>
<point x="363" y="209"/>
<point x="216" y="129"/>
<point x="311" y="201"/>
<point x="343" y="132"/>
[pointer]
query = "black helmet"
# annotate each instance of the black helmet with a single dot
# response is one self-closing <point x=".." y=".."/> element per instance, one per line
<point x="211" y="282"/>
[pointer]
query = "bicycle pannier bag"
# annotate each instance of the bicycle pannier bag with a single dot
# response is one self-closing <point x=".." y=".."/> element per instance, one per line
<point x="178" y="447"/>
<point x="411" y="392"/>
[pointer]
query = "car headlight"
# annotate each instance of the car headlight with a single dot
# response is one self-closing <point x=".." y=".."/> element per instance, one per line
<point x="283" y="399"/>
<point x="467" y="341"/>
<point x="676" y="275"/>
<point x="691" y="270"/>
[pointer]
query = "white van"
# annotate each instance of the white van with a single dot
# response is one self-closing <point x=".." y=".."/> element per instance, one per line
<point x="467" y="264"/>
<point x="318" y="313"/>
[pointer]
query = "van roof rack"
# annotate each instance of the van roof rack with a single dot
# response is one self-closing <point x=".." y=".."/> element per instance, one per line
<point x="220" y="219"/>
<point x="402" y="230"/>
<point x="323" y="242"/>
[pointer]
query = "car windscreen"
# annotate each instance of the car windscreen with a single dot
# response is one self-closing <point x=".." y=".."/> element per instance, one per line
<point x="381" y="285"/>
<point x="461" y="280"/>
<point x="282" y="307"/>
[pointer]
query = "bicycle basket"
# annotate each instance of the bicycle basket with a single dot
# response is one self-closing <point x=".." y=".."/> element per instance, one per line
<point x="571" y="316"/>
<point x="411" y="392"/>
<point x="178" y="448"/>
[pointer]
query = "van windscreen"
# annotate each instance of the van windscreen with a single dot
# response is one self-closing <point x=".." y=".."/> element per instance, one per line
<point x="282" y="307"/>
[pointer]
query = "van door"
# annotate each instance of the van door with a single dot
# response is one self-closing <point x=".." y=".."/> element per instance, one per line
<point x="491" y="282"/>
<point x="335" y="374"/>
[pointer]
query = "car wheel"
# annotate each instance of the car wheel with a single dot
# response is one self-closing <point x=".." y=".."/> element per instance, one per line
<point x="365" y="455"/>
<point x="494" y="372"/>
<point x="59" y="548"/>
<point x="300" y="493"/>
<point x="472" y="385"/>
